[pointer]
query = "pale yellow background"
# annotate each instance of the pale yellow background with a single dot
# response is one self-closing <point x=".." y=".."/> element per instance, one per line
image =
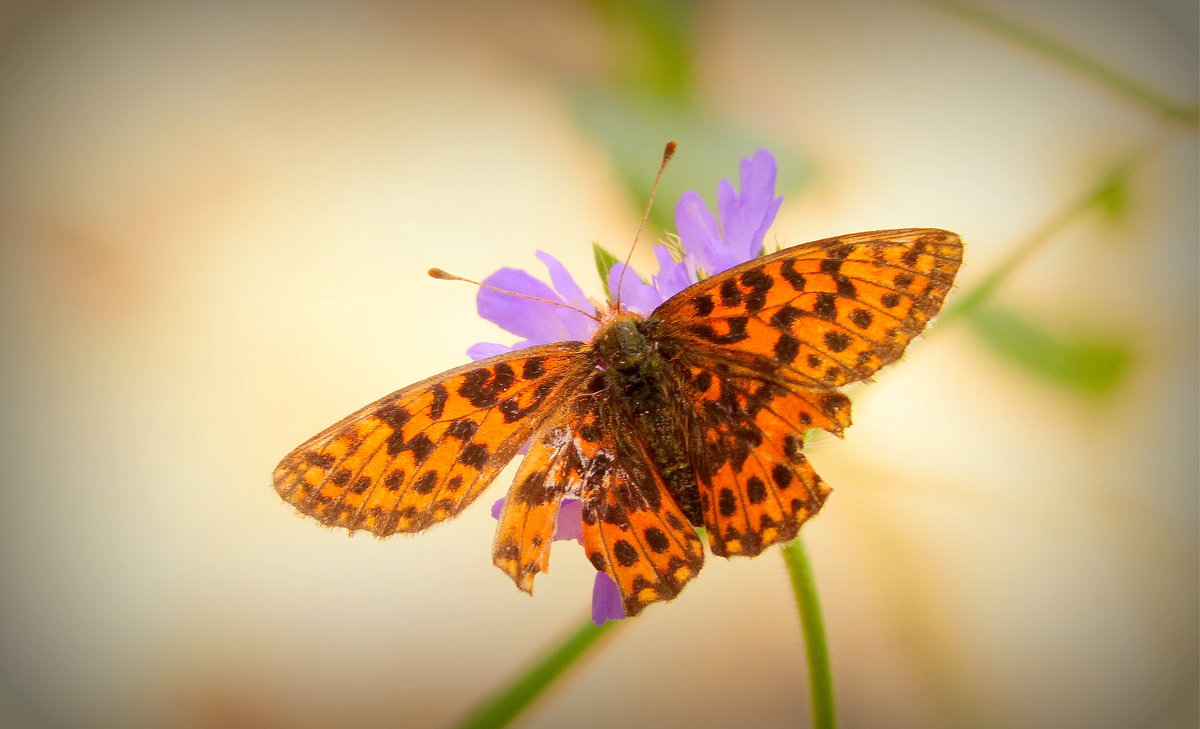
<point x="215" y="220"/>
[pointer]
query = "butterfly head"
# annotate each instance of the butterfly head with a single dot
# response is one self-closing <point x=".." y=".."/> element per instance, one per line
<point x="620" y="344"/>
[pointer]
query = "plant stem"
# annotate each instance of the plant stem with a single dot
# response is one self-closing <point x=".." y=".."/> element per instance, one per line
<point x="820" y="677"/>
<point x="504" y="705"/>
<point x="1115" y="81"/>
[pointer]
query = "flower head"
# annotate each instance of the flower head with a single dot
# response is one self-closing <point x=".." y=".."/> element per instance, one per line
<point x="710" y="244"/>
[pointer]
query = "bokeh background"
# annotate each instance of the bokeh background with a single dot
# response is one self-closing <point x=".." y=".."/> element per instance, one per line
<point x="215" y="220"/>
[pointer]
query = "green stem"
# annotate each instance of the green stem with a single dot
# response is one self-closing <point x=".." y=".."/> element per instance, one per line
<point x="504" y="705"/>
<point x="1117" y="82"/>
<point x="820" y="677"/>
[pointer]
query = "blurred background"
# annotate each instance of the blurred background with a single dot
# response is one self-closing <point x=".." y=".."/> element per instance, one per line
<point x="215" y="220"/>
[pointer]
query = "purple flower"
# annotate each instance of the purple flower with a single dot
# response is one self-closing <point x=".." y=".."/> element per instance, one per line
<point x="606" y="600"/>
<point x="710" y="245"/>
<point x="745" y="217"/>
<point x="538" y="323"/>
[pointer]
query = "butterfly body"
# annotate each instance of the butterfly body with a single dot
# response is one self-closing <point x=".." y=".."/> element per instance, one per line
<point x="641" y="380"/>
<point x="693" y="416"/>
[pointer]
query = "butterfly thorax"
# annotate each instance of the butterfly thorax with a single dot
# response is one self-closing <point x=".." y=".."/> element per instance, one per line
<point x="640" y="380"/>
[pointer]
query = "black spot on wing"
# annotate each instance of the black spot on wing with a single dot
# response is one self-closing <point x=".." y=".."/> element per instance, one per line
<point x="759" y="284"/>
<point x="656" y="540"/>
<point x="462" y="429"/>
<point x="837" y="341"/>
<point x="625" y="553"/>
<point x="731" y="295"/>
<point x="474" y="455"/>
<point x="426" y="482"/>
<point x="736" y="333"/>
<point x="791" y="275"/>
<point x="787" y="348"/>
<point x="726" y="502"/>
<point x="393" y="415"/>
<point x="438" y="406"/>
<point x="825" y="307"/>
<point x="783" y="318"/>
<point x="861" y="318"/>
<point x="533" y="368"/>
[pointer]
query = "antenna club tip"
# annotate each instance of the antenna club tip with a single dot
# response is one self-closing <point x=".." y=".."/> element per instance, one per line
<point x="439" y="273"/>
<point x="669" y="151"/>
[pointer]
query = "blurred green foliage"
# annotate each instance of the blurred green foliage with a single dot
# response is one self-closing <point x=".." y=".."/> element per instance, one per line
<point x="1063" y="56"/>
<point x="1088" y="364"/>
<point x="652" y="99"/>
<point x="1112" y="196"/>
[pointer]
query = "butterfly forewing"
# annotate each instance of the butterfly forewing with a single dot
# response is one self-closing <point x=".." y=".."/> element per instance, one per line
<point x="827" y="313"/>
<point x="422" y="454"/>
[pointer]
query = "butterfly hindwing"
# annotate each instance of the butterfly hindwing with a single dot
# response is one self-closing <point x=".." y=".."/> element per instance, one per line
<point x="423" y="453"/>
<point x="632" y="528"/>
<point x="529" y="518"/>
<point x="756" y="486"/>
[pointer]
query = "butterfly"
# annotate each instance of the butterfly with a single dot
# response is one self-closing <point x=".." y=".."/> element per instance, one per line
<point x="694" y="416"/>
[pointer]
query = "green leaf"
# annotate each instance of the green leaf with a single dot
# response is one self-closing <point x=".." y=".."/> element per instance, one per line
<point x="605" y="260"/>
<point x="1091" y="365"/>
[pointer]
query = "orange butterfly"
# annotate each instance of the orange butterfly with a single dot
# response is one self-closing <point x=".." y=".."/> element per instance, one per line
<point x="691" y="417"/>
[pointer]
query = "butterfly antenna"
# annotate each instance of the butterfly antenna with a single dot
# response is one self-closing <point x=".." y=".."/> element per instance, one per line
<point x="444" y="276"/>
<point x="668" y="153"/>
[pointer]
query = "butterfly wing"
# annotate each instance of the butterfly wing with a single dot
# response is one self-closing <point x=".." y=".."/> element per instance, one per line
<point x="763" y="346"/>
<point x="632" y="527"/>
<point x="822" y="314"/>
<point x="756" y="486"/>
<point x="422" y="454"/>
<point x="529" y="518"/>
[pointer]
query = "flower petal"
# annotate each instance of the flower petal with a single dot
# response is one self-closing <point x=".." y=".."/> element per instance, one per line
<point x="606" y="600"/>
<point x="697" y="228"/>
<point x="533" y="320"/>
<point x="483" y="350"/>
<point x="634" y="295"/>
<point x="745" y="217"/>
<point x="564" y="282"/>
<point x="570" y="521"/>
<point x="672" y="276"/>
<point x="579" y="326"/>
